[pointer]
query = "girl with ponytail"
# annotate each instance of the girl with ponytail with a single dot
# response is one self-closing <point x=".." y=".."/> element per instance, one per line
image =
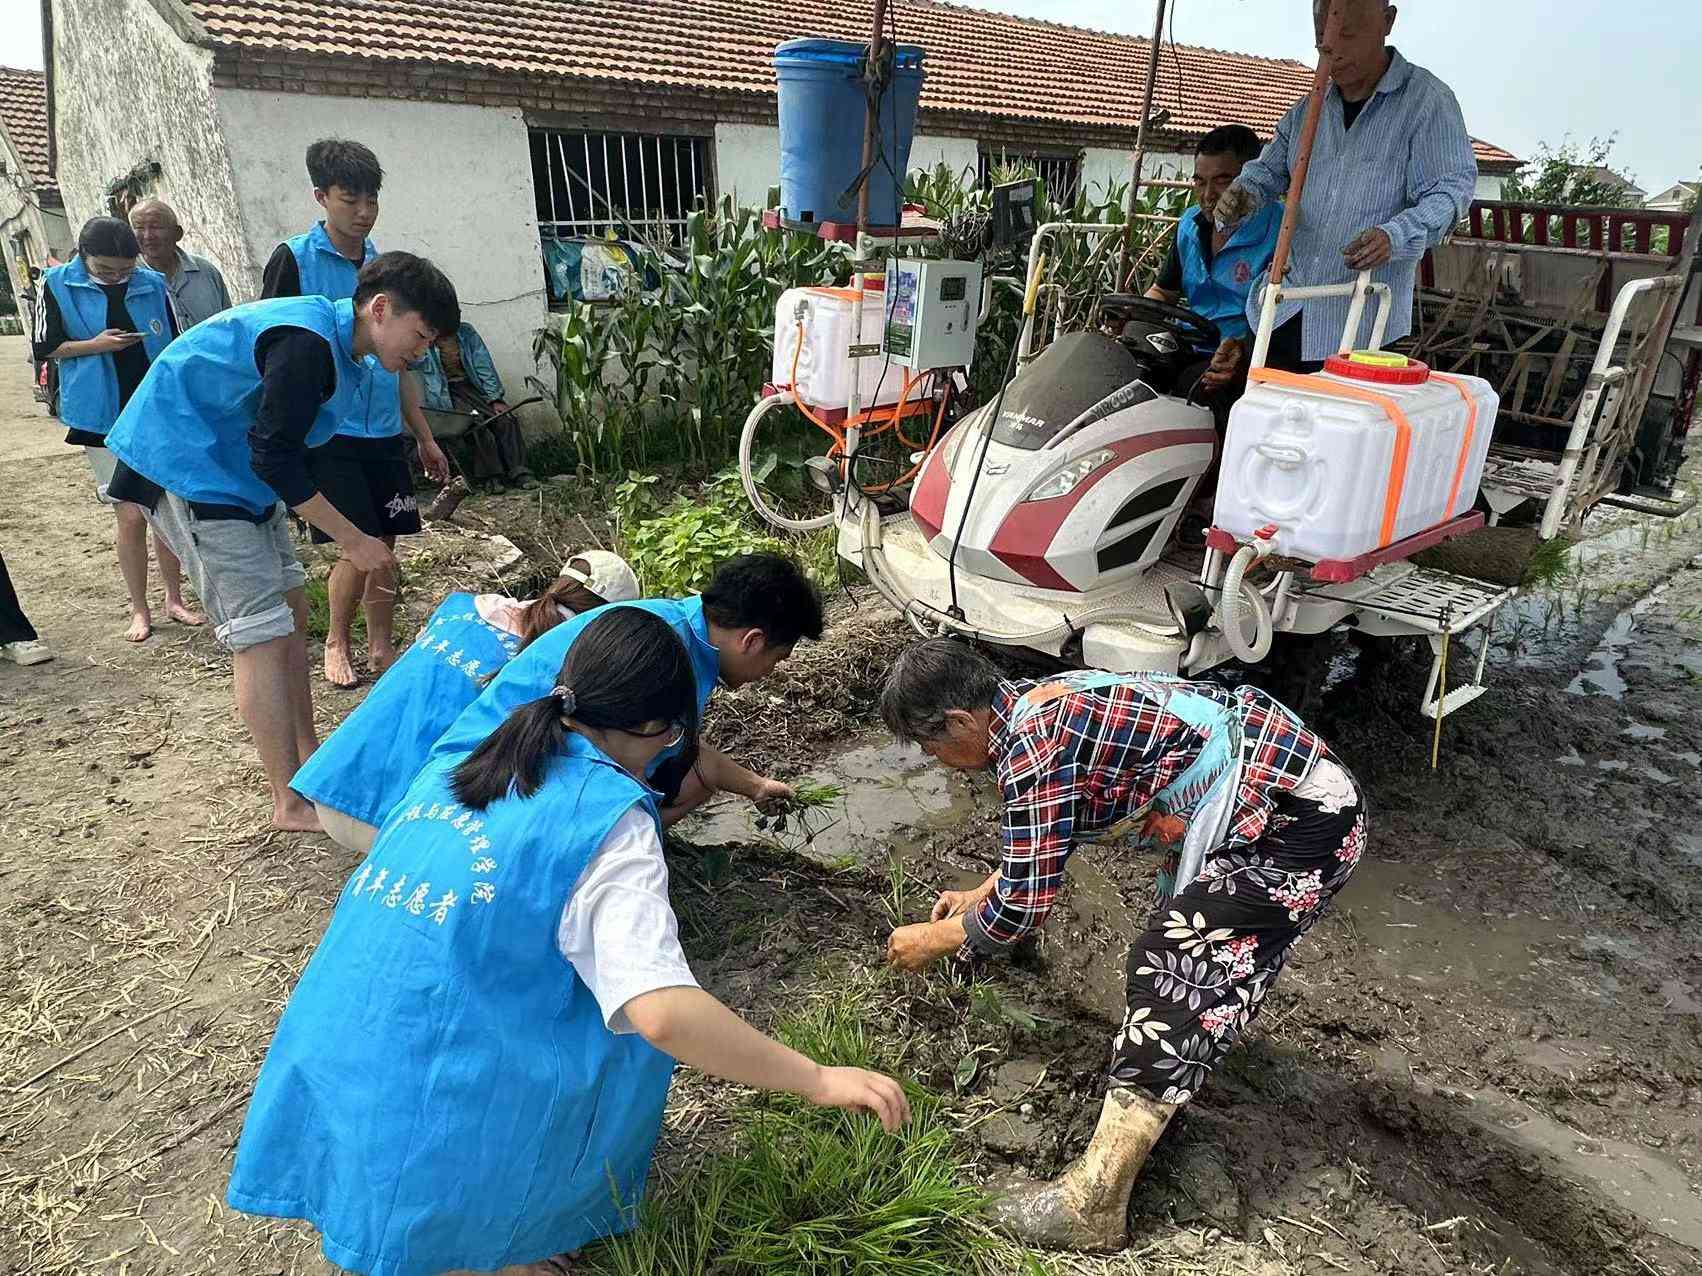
<point x="367" y="763"/>
<point x="472" y="1070"/>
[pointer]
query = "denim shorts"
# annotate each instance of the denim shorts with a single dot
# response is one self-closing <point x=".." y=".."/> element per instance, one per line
<point x="243" y="571"/>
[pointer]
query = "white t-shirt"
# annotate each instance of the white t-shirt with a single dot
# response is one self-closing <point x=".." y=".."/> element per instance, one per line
<point x="618" y="929"/>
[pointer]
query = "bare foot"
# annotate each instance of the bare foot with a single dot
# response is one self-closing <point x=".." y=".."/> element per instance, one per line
<point x="378" y="659"/>
<point x="141" y="625"/>
<point x="295" y="815"/>
<point x="338" y="671"/>
<point x="183" y="615"/>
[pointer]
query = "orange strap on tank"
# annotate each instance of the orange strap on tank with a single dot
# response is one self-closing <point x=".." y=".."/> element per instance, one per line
<point x="1465" y="443"/>
<point x="1391" y="409"/>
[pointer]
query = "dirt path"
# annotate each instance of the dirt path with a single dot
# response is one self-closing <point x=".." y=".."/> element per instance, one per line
<point x="1489" y="1058"/>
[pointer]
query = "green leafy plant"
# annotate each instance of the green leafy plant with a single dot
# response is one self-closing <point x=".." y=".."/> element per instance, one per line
<point x="816" y="1190"/>
<point x="675" y="547"/>
<point x="668" y="376"/>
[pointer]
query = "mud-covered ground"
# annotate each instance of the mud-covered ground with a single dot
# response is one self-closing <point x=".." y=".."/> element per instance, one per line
<point x="1487" y="1058"/>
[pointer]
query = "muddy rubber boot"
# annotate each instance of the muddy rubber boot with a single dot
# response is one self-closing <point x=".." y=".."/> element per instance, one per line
<point x="446" y="502"/>
<point x="1087" y="1206"/>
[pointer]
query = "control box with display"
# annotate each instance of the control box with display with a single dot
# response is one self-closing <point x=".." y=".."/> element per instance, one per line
<point x="931" y="313"/>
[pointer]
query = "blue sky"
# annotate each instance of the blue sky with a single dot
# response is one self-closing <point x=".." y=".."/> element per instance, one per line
<point x="1526" y="71"/>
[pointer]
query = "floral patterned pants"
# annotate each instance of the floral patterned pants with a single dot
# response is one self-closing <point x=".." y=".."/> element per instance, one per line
<point x="1210" y="954"/>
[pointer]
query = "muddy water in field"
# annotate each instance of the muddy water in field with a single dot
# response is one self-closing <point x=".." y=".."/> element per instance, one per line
<point x="1501" y="1019"/>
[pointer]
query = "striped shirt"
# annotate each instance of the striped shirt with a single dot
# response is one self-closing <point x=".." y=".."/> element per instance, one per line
<point x="1406" y="167"/>
<point x="1082" y="764"/>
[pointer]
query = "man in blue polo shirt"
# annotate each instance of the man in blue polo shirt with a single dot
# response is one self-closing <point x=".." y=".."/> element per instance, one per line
<point x="1215" y="271"/>
<point x="362" y="469"/>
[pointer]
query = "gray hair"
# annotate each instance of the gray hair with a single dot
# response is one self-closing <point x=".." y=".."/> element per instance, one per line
<point x="931" y="678"/>
<point x="154" y="202"/>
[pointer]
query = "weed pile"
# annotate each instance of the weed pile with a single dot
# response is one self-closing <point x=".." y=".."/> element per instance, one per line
<point x="808" y="1189"/>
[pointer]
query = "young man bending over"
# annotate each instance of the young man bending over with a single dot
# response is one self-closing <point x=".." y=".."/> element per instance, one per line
<point x="214" y="445"/>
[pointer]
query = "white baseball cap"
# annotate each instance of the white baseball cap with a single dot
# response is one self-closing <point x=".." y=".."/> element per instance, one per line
<point x="606" y="575"/>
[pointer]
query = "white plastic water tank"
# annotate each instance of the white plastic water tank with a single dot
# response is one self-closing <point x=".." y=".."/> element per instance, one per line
<point x="1373" y="450"/>
<point x="822" y="318"/>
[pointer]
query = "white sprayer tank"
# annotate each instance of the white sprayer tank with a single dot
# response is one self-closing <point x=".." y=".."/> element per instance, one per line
<point x="1375" y="449"/>
<point x="822" y="316"/>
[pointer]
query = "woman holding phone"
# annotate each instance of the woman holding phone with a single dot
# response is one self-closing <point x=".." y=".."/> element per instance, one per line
<point x="104" y="318"/>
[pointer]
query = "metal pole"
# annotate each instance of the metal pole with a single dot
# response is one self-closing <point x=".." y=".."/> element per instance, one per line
<point x="1299" y="166"/>
<point x="1140" y="143"/>
<point x="871" y="123"/>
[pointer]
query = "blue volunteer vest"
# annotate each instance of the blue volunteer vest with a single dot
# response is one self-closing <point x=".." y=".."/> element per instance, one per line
<point x="186" y="427"/>
<point x="88" y="386"/>
<point x="1203" y="795"/>
<point x="442" y="1092"/>
<point x="1220" y="294"/>
<point x="531" y="674"/>
<point x="368" y="762"/>
<point x="325" y="272"/>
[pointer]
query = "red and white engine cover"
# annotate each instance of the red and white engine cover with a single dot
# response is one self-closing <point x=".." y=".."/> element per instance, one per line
<point x="1082" y="483"/>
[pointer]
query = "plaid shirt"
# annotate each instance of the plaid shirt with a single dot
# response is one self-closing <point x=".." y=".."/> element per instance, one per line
<point x="1085" y="762"/>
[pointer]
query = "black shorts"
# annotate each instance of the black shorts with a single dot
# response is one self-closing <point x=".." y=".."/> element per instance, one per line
<point x="368" y="481"/>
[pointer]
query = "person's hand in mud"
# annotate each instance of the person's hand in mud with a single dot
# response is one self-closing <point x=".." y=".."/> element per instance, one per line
<point x="957" y="903"/>
<point x="915" y="948"/>
<point x="770" y="795"/>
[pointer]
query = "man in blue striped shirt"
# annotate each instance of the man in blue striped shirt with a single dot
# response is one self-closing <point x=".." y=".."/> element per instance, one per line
<point x="1392" y="173"/>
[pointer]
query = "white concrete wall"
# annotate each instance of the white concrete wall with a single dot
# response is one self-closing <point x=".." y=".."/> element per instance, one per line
<point x="1489" y="187"/>
<point x="962" y="155"/>
<point x="128" y="91"/>
<point x="457" y="189"/>
<point x="747" y="162"/>
<point x="1101" y="168"/>
<point x="747" y="158"/>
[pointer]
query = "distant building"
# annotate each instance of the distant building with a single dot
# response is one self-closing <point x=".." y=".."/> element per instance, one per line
<point x="1675" y="198"/>
<point x="32" y="218"/>
<point x="500" y="125"/>
<point x="1621" y="187"/>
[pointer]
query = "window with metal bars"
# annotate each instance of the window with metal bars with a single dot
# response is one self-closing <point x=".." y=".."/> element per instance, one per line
<point x="1061" y="173"/>
<point x="632" y="185"/>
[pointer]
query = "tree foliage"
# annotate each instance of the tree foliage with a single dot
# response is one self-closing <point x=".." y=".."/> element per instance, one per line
<point x="1571" y="174"/>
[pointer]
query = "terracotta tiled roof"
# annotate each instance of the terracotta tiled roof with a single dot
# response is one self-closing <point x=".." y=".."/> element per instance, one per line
<point x="1494" y="156"/>
<point x="23" y="114"/>
<point x="979" y="62"/>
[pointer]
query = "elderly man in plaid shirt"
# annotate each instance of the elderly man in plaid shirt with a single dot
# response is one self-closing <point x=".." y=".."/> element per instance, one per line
<point x="1264" y="825"/>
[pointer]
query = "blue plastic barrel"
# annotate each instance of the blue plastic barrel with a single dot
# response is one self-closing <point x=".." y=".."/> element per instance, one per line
<point x="823" y="107"/>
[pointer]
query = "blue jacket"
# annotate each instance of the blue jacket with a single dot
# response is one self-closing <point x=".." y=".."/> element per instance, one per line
<point x="531" y="674"/>
<point x="367" y="763"/>
<point x="88" y="386"/>
<point x="475" y="358"/>
<point x="325" y="272"/>
<point x="186" y="427"/>
<point x="1220" y="294"/>
<point x="442" y="1091"/>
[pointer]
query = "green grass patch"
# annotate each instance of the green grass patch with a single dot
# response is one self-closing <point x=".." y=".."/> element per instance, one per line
<point x="816" y="1191"/>
<point x="319" y="611"/>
